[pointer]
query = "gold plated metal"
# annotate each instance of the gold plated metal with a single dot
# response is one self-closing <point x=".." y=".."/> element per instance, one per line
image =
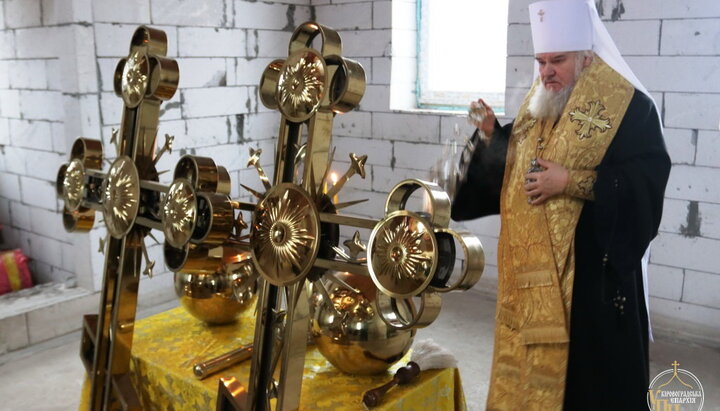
<point x="285" y="235"/>
<point x="179" y="210"/>
<point x="403" y="254"/>
<point x="125" y="196"/>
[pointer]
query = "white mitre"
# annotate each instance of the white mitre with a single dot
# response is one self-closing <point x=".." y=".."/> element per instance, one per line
<point x="574" y="25"/>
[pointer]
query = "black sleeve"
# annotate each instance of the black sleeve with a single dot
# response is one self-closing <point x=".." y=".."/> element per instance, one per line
<point x="479" y="194"/>
<point x="630" y="185"/>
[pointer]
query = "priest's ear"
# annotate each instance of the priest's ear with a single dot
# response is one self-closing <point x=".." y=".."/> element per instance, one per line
<point x="588" y="57"/>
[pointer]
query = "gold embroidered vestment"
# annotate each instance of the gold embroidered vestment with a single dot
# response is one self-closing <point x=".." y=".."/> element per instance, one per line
<point x="535" y="252"/>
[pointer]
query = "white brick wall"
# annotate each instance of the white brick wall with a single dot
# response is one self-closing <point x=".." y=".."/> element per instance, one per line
<point x="57" y="60"/>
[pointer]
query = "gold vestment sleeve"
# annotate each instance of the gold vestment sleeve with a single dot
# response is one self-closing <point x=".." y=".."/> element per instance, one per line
<point x="581" y="184"/>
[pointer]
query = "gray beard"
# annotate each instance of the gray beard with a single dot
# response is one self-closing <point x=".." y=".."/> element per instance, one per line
<point x="548" y="105"/>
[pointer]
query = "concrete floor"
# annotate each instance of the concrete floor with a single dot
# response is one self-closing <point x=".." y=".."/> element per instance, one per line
<point x="48" y="376"/>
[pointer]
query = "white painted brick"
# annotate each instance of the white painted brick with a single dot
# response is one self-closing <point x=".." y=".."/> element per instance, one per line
<point x="404" y="71"/>
<point x="519" y="71"/>
<point x="50" y="164"/>
<point x="708" y="149"/>
<point x="2" y="16"/>
<point x="674" y="215"/>
<point x="260" y="126"/>
<point x="113" y="40"/>
<point x="694" y="111"/>
<point x="695" y="253"/>
<point x="268" y="43"/>
<point x="249" y="71"/>
<point x="19" y="215"/>
<point x="208" y="42"/>
<point x="406" y="127"/>
<point x="128" y="11"/>
<point x="353" y="124"/>
<point x="59" y="319"/>
<point x="30" y="134"/>
<point x="214" y="101"/>
<point x="671" y="9"/>
<point x="383" y="15"/>
<point x="513" y="100"/>
<point x="374" y="207"/>
<point x="15" y="159"/>
<point x="710" y="220"/>
<point x="210" y="13"/>
<point x="680" y="145"/>
<point x="106" y="68"/>
<point x="59" y="142"/>
<point x="171" y="109"/>
<point x="376" y="98"/>
<point x="28" y="74"/>
<point x="7" y="44"/>
<point x="38" y="192"/>
<point x="202" y="72"/>
<point x="55" y="77"/>
<point x="386" y="178"/>
<point x="665" y="282"/>
<point x="694" y="183"/>
<point x="10" y="103"/>
<point x="448" y="131"/>
<point x="519" y="40"/>
<point x="110" y="108"/>
<point x="14" y="333"/>
<point x="47" y="250"/>
<point x="79" y="71"/>
<point x="68" y="11"/>
<point x="231" y="71"/>
<point x="4" y="131"/>
<point x="41" y="105"/>
<point x="381" y="70"/>
<point x="518" y="11"/>
<point x="416" y="156"/>
<point x="636" y="37"/>
<point x="82" y="118"/>
<point x="690" y="37"/>
<point x="22" y="13"/>
<point x="702" y="289"/>
<point x="228" y="155"/>
<point x="486" y="226"/>
<point x="256" y="15"/>
<point x="378" y="152"/>
<point x="49" y="224"/>
<point x="208" y="131"/>
<point x="5" y="73"/>
<point x="351" y="16"/>
<point x="40" y="42"/>
<point x="688" y="74"/>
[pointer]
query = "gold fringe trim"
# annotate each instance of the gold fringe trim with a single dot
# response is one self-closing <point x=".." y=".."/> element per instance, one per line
<point x="534" y="279"/>
<point x="544" y="335"/>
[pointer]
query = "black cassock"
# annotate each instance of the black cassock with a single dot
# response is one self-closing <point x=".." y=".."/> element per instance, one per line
<point x="608" y="357"/>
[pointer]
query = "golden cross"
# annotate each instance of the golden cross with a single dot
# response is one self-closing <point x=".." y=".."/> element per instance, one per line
<point x="295" y="227"/>
<point x="589" y="119"/>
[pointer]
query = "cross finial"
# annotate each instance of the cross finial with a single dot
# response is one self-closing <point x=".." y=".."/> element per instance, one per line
<point x="541" y="13"/>
<point x="675" y="364"/>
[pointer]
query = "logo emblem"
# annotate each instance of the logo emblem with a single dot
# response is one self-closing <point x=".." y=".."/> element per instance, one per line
<point x="675" y="390"/>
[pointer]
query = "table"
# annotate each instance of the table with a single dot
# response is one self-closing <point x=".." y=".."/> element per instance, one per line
<point x="166" y="345"/>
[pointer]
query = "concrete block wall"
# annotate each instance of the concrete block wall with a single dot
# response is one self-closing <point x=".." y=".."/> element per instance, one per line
<point x="57" y="59"/>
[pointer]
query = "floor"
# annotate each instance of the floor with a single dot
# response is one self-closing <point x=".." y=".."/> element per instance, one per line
<point x="48" y="376"/>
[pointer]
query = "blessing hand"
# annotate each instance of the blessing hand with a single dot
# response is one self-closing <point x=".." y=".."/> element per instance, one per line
<point x="486" y="122"/>
<point x="543" y="185"/>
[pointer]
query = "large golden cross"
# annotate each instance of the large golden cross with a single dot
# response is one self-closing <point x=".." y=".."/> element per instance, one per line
<point x="295" y="228"/>
<point x="590" y="119"/>
<point x="195" y="213"/>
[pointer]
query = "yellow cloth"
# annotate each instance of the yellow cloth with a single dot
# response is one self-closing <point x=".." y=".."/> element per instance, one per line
<point x="166" y="345"/>
<point x="535" y="251"/>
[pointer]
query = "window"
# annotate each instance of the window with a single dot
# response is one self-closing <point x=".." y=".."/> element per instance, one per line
<point x="461" y="53"/>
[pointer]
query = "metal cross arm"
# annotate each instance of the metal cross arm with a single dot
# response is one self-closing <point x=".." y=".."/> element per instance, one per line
<point x="128" y="195"/>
